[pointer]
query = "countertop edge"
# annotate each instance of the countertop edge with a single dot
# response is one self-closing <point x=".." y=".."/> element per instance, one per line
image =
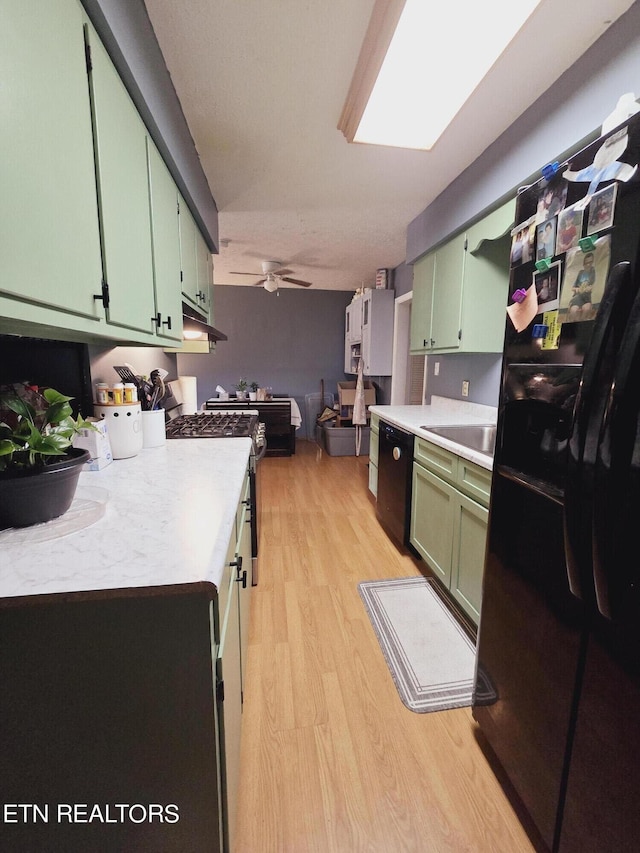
<point x="411" y="418"/>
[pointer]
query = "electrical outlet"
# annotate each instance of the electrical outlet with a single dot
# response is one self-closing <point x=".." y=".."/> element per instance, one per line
<point x="465" y="387"/>
<point x="436" y="369"/>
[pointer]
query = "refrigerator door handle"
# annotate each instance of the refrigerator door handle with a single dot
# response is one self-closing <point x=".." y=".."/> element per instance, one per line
<point x="597" y="372"/>
<point x="613" y="574"/>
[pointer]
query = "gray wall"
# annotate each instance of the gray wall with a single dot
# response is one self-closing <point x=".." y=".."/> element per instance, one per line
<point x="289" y="341"/>
<point x="566" y="116"/>
<point x="481" y="369"/>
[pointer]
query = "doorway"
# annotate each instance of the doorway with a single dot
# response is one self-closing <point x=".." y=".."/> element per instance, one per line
<point x="409" y="372"/>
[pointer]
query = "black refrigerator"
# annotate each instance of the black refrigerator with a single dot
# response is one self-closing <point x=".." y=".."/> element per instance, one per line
<point x="559" y="633"/>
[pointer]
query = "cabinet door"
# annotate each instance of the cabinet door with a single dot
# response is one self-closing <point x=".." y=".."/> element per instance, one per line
<point x="447" y="295"/>
<point x="230" y="707"/>
<point x="422" y="304"/>
<point x="243" y="550"/>
<point x="432" y="516"/>
<point x="166" y="246"/>
<point x="49" y="234"/>
<point x="123" y="186"/>
<point x="373" y="456"/>
<point x="188" y="253"/>
<point x="204" y="276"/>
<point x="486" y="282"/>
<point x="377" y="332"/>
<point x="353" y="321"/>
<point x="469" y="540"/>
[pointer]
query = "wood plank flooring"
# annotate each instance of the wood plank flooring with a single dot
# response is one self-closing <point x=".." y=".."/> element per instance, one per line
<point x="332" y="761"/>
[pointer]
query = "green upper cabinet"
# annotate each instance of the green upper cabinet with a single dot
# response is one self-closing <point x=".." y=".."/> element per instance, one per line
<point x="49" y="237"/>
<point x="422" y="303"/>
<point x="486" y="281"/>
<point x="447" y="295"/>
<point x="460" y="290"/>
<point x="188" y="254"/>
<point x="166" y="247"/>
<point x="204" y="277"/>
<point x="123" y="191"/>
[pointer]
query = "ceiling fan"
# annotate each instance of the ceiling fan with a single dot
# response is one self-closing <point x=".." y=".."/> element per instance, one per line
<point x="272" y="274"/>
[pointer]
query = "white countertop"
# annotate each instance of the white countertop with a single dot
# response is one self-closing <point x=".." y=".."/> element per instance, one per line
<point x="442" y="412"/>
<point x="168" y="520"/>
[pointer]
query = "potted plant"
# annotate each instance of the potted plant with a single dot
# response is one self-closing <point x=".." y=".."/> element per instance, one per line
<point x="241" y="388"/>
<point x="254" y="390"/>
<point x="39" y="467"/>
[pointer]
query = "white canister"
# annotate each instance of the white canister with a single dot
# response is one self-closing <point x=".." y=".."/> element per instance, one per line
<point x="153" y="428"/>
<point x="124" y="424"/>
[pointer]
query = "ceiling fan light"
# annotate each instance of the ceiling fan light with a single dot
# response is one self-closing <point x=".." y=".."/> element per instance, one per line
<point x="270" y="284"/>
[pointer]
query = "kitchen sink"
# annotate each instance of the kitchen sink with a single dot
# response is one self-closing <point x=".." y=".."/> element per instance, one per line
<point x="480" y="437"/>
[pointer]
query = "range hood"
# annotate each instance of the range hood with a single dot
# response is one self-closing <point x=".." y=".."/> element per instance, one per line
<point x="196" y="328"/>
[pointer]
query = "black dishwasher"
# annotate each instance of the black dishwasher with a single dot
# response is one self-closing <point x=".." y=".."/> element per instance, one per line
<point x="395" y="464"/>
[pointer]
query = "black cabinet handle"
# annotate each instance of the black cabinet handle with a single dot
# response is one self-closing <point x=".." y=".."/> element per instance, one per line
<point x="104" y="294"/>
<point x="166" y="322"/>
<point x="157" y="320"/>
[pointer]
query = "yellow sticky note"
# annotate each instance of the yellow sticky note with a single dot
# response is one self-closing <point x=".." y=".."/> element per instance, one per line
<point x="552" y="338"/>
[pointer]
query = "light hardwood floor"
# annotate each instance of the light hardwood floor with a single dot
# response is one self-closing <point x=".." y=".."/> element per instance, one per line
<point x="332" y="761"/>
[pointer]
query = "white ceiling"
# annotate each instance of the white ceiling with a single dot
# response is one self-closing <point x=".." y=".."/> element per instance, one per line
<point x="262" y="84"/>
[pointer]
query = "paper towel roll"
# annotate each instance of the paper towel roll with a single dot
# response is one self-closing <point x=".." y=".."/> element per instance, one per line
<point x="189" y="388"/>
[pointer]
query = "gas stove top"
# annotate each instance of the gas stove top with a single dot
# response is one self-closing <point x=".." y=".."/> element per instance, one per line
<point x="225" y="424"/>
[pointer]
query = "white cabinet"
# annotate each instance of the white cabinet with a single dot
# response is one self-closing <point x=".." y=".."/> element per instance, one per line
<point x="369" y="333"/>
<point x="377" y="332"/>
<point x="353" y="321"/>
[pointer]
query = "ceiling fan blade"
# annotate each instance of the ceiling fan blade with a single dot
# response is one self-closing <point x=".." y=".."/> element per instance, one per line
<point x="259" y="283"/>
<point x="296" y="281"/>
<point x="282" y="272"/>
<point x="232" y="272"/>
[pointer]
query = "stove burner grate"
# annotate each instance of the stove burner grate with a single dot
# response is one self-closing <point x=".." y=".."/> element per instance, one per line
<point x="213" y="425"/>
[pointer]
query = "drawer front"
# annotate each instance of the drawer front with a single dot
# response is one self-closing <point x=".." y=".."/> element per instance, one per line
<point x="474" y="481"/>
<point x="442" y="462"/>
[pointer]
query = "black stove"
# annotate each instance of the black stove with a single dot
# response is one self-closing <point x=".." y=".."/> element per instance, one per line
<point x="214" y="425"/>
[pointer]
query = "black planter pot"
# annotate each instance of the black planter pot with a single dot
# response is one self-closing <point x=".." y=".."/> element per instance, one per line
<point x="38" y="495"/>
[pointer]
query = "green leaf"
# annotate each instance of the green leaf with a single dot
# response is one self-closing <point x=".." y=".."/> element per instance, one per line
<point x="18" y="405"/>
<point x="7" y="447"/>
<point x="52" y="396"/>
<point x="51" y="445"/>
<point x="82" y="424"/>
<point x="57" y="412"/>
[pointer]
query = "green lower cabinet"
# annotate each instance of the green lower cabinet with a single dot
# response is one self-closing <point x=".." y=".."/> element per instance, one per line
<point x="449" y="527"/>
<point x="469" y="540"/>
<point x="373" y="455"/>
<point x="432" y="517"/>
